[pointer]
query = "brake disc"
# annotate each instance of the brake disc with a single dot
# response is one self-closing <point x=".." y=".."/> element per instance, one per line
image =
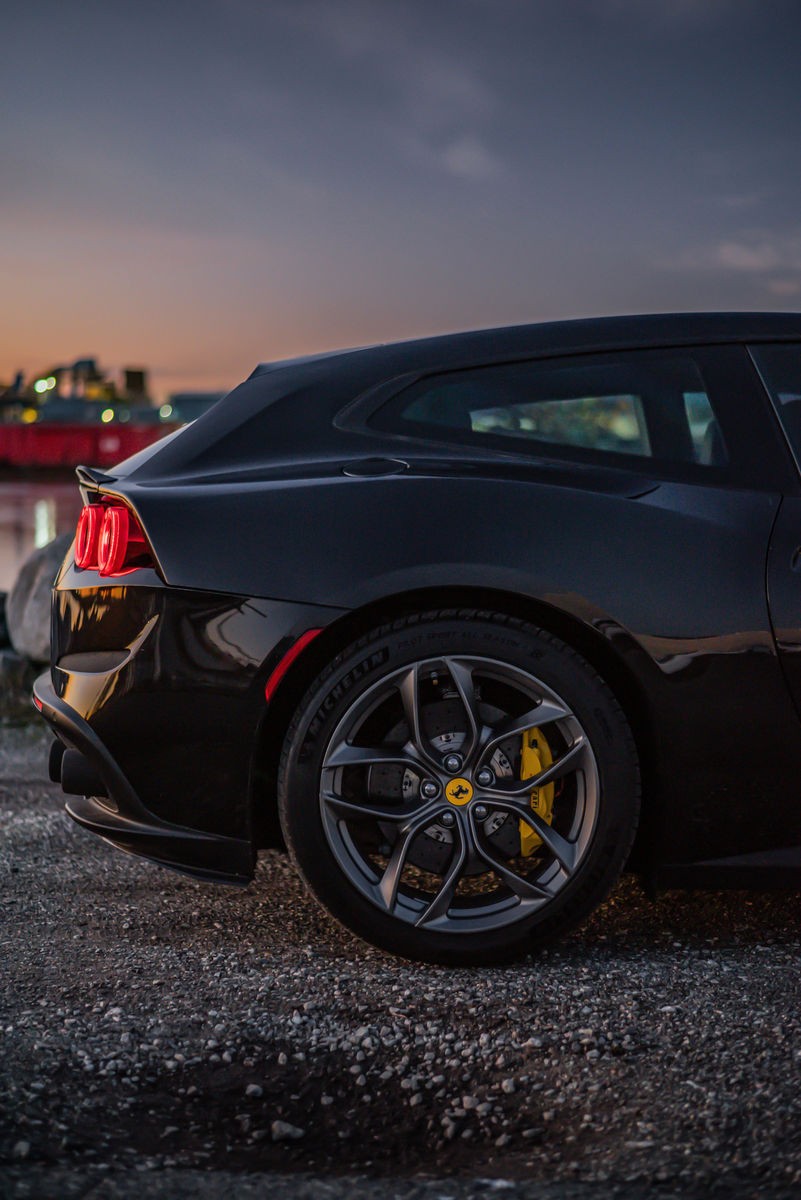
<point x="432" y="850"/>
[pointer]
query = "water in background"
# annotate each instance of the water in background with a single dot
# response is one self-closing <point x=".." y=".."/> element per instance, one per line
<point x="32" y="513"/>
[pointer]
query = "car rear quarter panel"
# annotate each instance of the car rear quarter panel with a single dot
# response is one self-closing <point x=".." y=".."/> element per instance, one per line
<point x="172" y="682"/>
<point x="673" y="580"/>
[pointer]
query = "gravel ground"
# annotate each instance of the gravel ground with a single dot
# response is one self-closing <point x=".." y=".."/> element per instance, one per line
<point x="166" y="1037"/>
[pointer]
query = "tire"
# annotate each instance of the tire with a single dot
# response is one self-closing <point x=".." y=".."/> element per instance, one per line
<point x="459" y="787"/>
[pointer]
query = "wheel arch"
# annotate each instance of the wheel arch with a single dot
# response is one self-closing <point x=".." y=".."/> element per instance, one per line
<point x="609" y="649"/>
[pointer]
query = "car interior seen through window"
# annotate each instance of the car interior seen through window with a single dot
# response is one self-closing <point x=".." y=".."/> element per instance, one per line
<point x="647" y="406"/>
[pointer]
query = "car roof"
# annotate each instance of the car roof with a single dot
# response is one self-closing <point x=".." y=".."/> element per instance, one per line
<point x="555" y="337"/>
<point x="273" y="408"/>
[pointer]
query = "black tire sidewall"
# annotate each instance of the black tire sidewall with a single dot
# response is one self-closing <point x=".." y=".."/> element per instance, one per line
<point x="523" y="646"/>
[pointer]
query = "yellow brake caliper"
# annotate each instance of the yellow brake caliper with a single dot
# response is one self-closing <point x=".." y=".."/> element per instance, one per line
<point x="536" y="756"/>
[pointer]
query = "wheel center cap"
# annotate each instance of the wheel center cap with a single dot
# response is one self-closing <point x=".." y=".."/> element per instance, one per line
<point x="459" y="791"/>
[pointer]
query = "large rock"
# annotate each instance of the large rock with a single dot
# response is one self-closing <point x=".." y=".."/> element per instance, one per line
<point x="28" y="604"/>
<point x="16" y="680"/>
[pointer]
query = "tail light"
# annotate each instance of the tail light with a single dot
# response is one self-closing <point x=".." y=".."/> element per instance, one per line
<point x="110" y="540"/>
<point x="87" y="535"/>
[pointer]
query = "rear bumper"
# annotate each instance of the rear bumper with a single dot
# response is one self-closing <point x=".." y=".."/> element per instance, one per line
<point x="162" y="690"/>
<point x="123" y="820"/>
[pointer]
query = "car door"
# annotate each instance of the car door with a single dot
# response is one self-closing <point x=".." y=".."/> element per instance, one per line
<point x="779" y="367"/>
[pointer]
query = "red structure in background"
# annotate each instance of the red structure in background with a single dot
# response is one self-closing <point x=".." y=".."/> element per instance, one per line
<point x="80" y="414"/>
<point x="65" y="445"/>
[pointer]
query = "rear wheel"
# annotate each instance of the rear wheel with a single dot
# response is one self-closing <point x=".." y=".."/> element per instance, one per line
<point x="459" y="787"/>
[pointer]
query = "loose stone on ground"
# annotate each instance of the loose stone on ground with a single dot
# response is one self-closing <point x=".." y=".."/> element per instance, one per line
<point x="159" y="1028"/>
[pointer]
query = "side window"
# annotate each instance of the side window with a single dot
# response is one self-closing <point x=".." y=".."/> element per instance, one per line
<point x="644" y="404"/>
<point x="780" y="368"/>
<point x="596" y="422"/>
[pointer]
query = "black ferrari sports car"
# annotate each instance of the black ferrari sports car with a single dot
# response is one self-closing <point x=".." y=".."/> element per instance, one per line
<point x="471" y="624"/>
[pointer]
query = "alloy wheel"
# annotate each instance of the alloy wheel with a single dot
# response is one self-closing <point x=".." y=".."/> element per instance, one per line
<point x="459" y="794"/>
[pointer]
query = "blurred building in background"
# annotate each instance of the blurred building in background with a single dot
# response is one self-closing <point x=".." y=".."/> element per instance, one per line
<point x="78" y="413"/>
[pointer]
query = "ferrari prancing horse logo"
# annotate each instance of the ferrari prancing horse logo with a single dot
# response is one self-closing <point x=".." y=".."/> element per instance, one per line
<point x="459" y="791"/>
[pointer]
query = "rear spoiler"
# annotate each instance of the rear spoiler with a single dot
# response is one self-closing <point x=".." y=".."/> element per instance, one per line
<point x="91" y="477"/>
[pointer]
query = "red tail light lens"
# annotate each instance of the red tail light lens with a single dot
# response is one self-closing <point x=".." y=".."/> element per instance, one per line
<point x="110" y="539"/>
<point x="87" y="534"/>
<point x="113" y="541"/>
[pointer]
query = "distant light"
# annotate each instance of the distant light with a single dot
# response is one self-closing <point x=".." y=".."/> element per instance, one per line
<point x="44" y="522"/>
<point x="50" y="382"/>
<point x="165" y="411"/>
<point x="29" y="415"/>
<point x="40" y="386"/>
<point x="107" y="415"/>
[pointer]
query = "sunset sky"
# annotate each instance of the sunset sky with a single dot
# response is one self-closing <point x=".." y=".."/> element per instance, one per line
<point x="198" y="185"/>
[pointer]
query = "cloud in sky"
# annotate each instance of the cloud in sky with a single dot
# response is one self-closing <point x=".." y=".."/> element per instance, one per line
<point x="742" y="256"/>
<point x="469" y="158"/>
<point x="433" y="101"/>
<point x="774" y="261"/>
<point x="751" y="253"/>
<point x="784" y="288"/>
<point x="742" y="200"/>
<point x="677" y="16"/>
